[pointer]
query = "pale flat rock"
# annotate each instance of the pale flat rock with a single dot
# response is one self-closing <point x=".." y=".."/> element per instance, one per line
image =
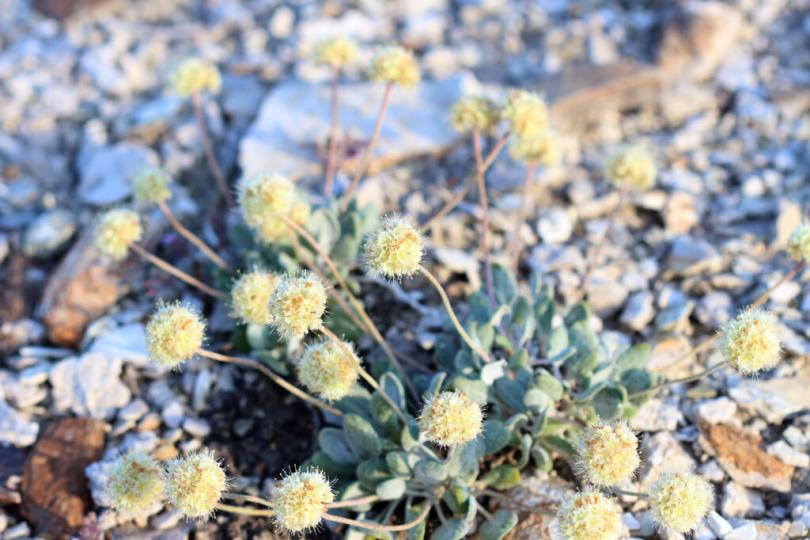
<point x="89" y="385"/>
<point x="126" y="343"/>
<point x="106" y="174"/>
<point x="15" y="428"/>
<point x="293" y="123"/>
<point x="776" y="398"/>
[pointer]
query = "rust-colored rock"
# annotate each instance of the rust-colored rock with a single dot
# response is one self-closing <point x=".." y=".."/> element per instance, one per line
<point x="55" y="495"/>
<point x="62" y="9"/>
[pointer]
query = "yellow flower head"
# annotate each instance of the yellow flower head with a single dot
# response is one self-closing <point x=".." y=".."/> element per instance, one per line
<point x="174" y="334"/>
<point x="526" y="113"/>
<point x="194" y="76"/>
<point x="116" y="230"/>
<point x="301" y="499"/>
<point x="608" y="454"/>
<point x="679" y="501"/>
<point x="336" y="52"/>
<point x="451" y="418"/>
<point x="250" y="296"/>
<point x="151" y="186"/>
<point x="262" y="199"/>
<point x="590" y="515"/>
<point x="297" y="305"/>
<point x="799" y="243"/>
<point x="300" y="211"/>
<point x="395" y="249"/>
<point x="542" y="148"/>
<point x="474" y="112"/>
<point x="633" y="167"/>
<point x="750" y="342"/>
<point x="194" y="484"/>
<point x="327" y="369"/>
<point x="394" y="64"/>
<point x="135" y="484"/>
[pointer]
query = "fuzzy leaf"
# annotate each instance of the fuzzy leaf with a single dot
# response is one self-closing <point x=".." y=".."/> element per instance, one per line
<point x="324" y="226"/>
<point x="354" y="491"/>
<point x="436" y="382"/>
<point x="453" y="529"/>
<point x="523" y="320"/>
<point x="392" y="386"/>
<point x="608" y="402"/>
<point x="475" y="389"/>
<point x="549" y="384"/>
<point x="496" y="436"/>
<point x="525" y="450"/>
<point x="464" y="462"/>
<point x="371" y="472"/>
<point x="493" y="371"/>
<point x="391" y="490"/>
<point x="398" y="463"/>
<point x="537" y="401"/>
<point x="333" y="443"/>
<point x="330" y="467"/>
<point x="502" y="477"/>
<point x="361" y="437"/>
<point x="633" y="358"/>
<point x="505" y="286"/>
<point x="542" y="459"/>
<point x="511" y="393"/>
<point x="429" y="471"/>
<point x="499" y="526"/>
<point x="348" y="245"/>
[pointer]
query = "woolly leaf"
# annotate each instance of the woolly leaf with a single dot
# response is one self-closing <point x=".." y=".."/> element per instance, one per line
<point x="361" y="437"/>
<point x="502" y="477"/>
<point x="332" y="442"/>
<point x="496" y="436"/>
<point x="499" y="526"/>
<point x="505" y="286"/>
<point x="452" y="529"/>
<point x="391" y="490"/>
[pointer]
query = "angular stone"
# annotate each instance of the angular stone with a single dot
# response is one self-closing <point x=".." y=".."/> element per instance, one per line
<point x="741" y="502"/>
<point x="15" y="428"/>
<point x="638" y="311"/>
<point x="106" y="176"/>
<point x="690" y="256"/>
<point x="89" y="386"/>
<point x="776" y="398"/>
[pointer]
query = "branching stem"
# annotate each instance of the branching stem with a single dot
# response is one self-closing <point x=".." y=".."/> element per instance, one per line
<point x="176" y="272"/>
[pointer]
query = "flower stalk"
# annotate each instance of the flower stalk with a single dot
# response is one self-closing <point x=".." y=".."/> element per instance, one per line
<point x="334" y="133"/>
<point x="515" y="244"/>
<point x="208" y="148"/>
<point x="370" y="526"/>
<point x="176" y="272"/>
<point x="191" y="237"/>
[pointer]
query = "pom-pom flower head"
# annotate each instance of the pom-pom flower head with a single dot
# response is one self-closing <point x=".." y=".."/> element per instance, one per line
<point x="608" y="454"/>
<point x="151" y="186"/>
<point x="250" y="296"/>
<point x="395" y="249"/>
<point x="474" y="112"/>
<point x="526" y="113"/>
<point x="327" y="369"/>
<point x="633" y="167"/>
<point x="116" y="231"/>
<point x="451" y="418"/>
<point x="799" y="243"/>
<point x="135" y="484"/>
<point x="262" y="199"/>
<point x="297" y="305"/>
<point x="301" y="500"/>
<point x="394" y="64"/>
<point x="542" y="148"/>
<point x="174" y="333"/>
<point x="590" y="515"/>
<point x="750" y="342"/>
<point x="194" y="76"/>
<point x="679" y="501"/>
<point x="194" y="484"/>
<point x="336" y="52"/>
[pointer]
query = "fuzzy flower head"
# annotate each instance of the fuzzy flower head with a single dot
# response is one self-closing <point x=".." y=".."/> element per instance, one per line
<point x="474" y="112"/>
<point x="633" y="167"/>
<point x="608" y="454"/>
<point x="799" y="243"/>
<point x="526" y="113"/>
<point x="679" y="501"/>
<point x="116" y="230"/>
<point x="590" y="515"/>
<point x="174" y="333"/>
<point x="394" y="64"/>
<point x="135" y="484"/>
<point x="451" y="418"/>
<point x="336" y="52"/>
<point x="194" y="76"/>
<point x="542" y="148"/>
<point x="151" y="186"/>
<point x="395" y="249"/>
<point x="750" y="342"/>
<point x="297" y="305"/>
<point x="301" y="500"/>
<point x="328" y="369"/>
<point x="250" y="296"/>
<point x="194" y="483"/>
<point x="300" y="211"/>
<point x="262" y="199"/>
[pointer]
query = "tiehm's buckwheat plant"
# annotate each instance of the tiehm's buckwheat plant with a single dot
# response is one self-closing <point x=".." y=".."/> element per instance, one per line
<point x="513" y="384"/>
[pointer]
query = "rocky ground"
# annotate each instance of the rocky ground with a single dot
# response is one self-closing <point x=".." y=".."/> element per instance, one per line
<point x="718" y="90"/>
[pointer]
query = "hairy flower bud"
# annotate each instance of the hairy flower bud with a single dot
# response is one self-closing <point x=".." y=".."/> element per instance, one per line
<point x="194" y="76"/>
<point x="394" y="64"/>
<point x="590" y="515"/>
<point x="327" y="369"/>
<point x="542" y="148"/>
<point x="297" y="305"/>
<point x="135" y="483"/>
<point x="301" y="500"/>
<point x="799" y="243"/>
<point x="250" y="296"/>
<point x="116" y="230"/>
<point x="336" y="52"/>
<point x="474" y="112"/>
<point x="174" y="333"/>
<point x="750" y="342"/>
<point x="262" y="199"/>
<point x="395" y="249"/>
<point x="194" y="483"/>
<point x="634" y="167"/>
<point x="151" y="186"/>
<point x="526" y="113"/>
<point x="679" y="501"/>
<point x="608" y="454"/>
<point x="451" y="418"/>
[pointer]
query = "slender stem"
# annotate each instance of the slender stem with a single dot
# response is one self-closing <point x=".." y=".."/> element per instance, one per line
<point x="176" y="272"/>
<point x="515" y="244"/>
<point x="476" y="348"/>
<point x="191" y="237"/>
<point x="334" y="131"/>
<point x="364" y="374"/>
<point x="484" y="200"/>
<point x="496" y="150"/>
<point x="354" y="502"/>
<point x="596" y="253"/>
<point x="375" y="135"/>
<point x="376" y="526"/>
<point x="484" y="512"/>
<point x="691" y="378"/>
<point x="249" y="498"/>
<point x="209" y="150"/>
<point x="243" y="510"/>
<point x="267" y="372"/>
<point x="627" y="493"/>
